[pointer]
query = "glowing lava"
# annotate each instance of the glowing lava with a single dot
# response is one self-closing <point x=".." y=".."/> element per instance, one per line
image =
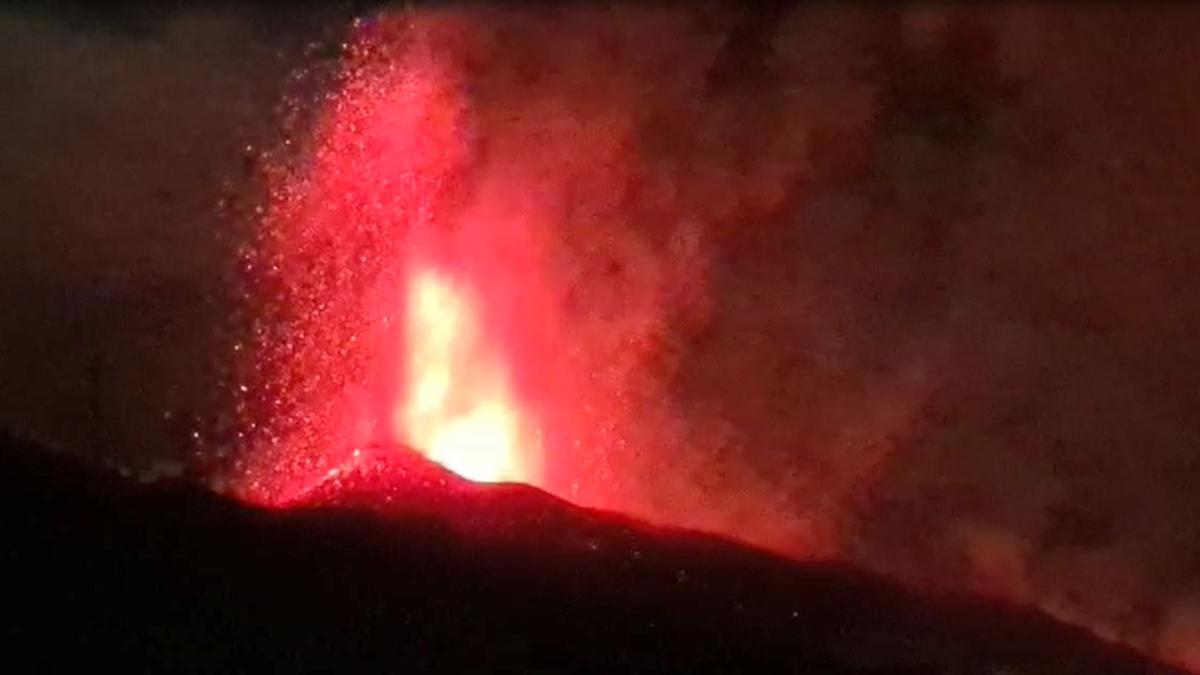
<point x="459" y="410"/>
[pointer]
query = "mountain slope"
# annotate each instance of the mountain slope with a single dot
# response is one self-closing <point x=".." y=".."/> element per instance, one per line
<point x="394" y="565"/>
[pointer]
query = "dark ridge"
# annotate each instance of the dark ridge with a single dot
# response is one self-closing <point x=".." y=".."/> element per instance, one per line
<point x="394" y="565"/>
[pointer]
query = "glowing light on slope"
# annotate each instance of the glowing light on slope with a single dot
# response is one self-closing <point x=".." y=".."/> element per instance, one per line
<point x="459" y="410"/>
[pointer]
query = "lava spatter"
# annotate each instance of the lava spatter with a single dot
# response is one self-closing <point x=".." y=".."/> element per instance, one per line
<point x="362" y="336"/>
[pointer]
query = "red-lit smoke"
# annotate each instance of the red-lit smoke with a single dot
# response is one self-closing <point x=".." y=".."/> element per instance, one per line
<point x="493" y="240"/>
<point x="411" y="289"/>
<point x="480" y="253"/>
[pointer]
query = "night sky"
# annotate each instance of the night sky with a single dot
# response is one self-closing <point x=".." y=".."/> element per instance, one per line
<point x="915" y="288"/>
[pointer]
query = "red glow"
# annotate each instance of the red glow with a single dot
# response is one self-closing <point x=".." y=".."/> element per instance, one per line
<point x="394" y="313"/>
<point x="411" y="289"/>
<point x="488" y="270"/>
<point x="435" y="268"/>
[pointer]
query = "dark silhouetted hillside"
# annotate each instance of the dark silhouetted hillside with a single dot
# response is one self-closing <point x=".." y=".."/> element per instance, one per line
<point x="397" y="566"/>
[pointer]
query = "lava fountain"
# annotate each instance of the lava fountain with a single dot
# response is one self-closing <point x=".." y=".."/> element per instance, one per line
<point x="459" y="409"/>
<point x="453" y="259"/>
<point x="491" y="268"/>
<point x="400" y="296"/>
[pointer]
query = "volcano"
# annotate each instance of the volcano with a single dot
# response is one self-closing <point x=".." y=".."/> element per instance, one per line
<point x="394" y="564"/>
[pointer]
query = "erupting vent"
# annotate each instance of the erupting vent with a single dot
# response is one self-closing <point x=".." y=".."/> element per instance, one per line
<point x="459" y="409"/>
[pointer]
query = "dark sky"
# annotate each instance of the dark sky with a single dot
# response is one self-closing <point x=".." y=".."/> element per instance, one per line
<point x="952" y="307"/>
